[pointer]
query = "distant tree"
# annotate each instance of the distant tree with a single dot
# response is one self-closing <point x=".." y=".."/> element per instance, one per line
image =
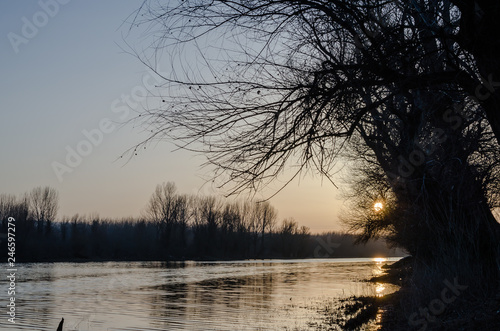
<point x="211" y="212"/>
<point x="266" y="216"/>
<point x="18" y="208"/>
<point x="7" y="205"/>
<point x="246" y="218"/>
<point x="78" y="236"/>
<point x="171" y="212"/>
<point x="293" y="239"/>
<point x="44" y="202"/>
<point x="161" y="207"/>
<point x="287" y="231"/>
<point x="230" y="218"/>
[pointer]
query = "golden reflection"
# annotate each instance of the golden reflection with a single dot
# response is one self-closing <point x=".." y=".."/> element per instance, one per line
<point x="379" y="259"/>
<point x="379" y="289"/>
<point x="378" y="271"/>
<point x="378" y="320"/>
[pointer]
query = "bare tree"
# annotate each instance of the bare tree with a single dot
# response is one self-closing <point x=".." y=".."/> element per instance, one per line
<point x="294" y="84"/>
<point x="314" y="70"/>
<point x="231" y="217"/>
<point x="170" y="211"/>
<point x="211" y="212"/>
<point x="7" y="204"/>
<point x="292" y="237"/>
<point x="44" y="202"/>
<point x="266" y="216"/>
<point x="161" y="206"/>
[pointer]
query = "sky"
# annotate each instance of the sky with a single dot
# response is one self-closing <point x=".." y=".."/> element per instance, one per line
<point x="68" y="89"/>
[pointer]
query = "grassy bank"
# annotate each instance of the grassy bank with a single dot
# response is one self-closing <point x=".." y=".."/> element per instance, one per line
<point x="451" y="307"/>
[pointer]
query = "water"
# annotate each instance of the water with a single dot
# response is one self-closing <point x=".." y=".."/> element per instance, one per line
<point x="238" y="295"/>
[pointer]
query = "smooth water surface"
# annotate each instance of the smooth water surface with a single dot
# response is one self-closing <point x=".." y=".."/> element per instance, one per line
<point x="239" y="295"/>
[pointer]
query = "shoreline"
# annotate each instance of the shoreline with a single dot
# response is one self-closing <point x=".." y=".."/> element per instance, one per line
<point x="206" y="259"/>
<point x="391" y="311"/>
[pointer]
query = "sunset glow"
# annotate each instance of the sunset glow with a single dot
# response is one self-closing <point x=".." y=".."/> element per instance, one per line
<point x="378" y="206"/>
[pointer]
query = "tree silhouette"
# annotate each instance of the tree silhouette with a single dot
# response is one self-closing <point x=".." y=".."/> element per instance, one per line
<point x="478" y="35"/>
<point x="401" y="85"/>
<point x="43" y="204"/>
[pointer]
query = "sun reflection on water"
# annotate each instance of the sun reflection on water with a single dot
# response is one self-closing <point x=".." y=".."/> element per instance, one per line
<point x="379" y="259"/>
<point x="379" y="289"/>
<point x="378" y="320"/>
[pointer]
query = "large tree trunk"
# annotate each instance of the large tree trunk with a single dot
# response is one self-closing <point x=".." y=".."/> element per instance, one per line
<point x="480" y="35"/>
<point x="443" y="219"/>
<point x="449" y="226"/>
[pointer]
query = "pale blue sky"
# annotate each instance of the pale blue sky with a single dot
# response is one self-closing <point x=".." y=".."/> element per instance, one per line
<point x="65" y="79"/>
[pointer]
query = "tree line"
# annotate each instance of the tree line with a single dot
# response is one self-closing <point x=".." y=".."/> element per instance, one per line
<point x="174" y="227"/>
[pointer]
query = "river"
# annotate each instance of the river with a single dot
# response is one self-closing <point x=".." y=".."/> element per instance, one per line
<point x="235" y="295"/>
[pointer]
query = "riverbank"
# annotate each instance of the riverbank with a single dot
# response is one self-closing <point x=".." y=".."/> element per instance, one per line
<point x="396" y="311"/>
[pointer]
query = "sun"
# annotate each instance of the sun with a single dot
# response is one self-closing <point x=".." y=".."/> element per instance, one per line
<point x="378" y="206"/>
